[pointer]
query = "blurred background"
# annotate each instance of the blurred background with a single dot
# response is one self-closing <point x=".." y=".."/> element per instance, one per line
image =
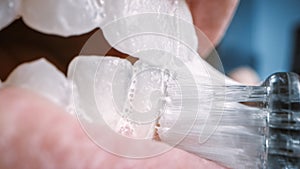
<point x="264" y="35"/>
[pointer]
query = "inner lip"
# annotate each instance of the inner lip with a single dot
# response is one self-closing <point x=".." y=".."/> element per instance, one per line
<point x="19" y="44"/>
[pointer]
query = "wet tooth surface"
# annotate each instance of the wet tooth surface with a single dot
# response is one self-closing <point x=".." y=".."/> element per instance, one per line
<point x="129" y="98"/>
<point x="42" y="77"/>
<point x="145" y="96"/>
<point x="74" y="17"/>
<point x="8" y="11"/>
<point x="65" y="18"/>
<point x="100" y="86"/>
<point x="152" y="25"/>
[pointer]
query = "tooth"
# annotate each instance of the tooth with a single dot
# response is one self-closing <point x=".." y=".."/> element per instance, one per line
<point x="42" y="77"/>
<point x="87" y="71"/>
<point x="139" y="32"/>
<point x="143" y="29"/>
<point x="8" y="11"/>
<point x="126" y="96"/>
<point x="65" y="18"/>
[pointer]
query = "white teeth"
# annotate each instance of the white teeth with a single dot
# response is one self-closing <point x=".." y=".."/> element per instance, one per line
<point x="42" y="77"/>
<point x="74" y="17"/>
<point x="8" y="11"/>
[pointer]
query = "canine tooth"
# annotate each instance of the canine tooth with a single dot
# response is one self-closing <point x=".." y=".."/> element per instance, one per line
<point x="65" y="18"/>
<point x="8" y="11"/>
<point x="42" y="77"/>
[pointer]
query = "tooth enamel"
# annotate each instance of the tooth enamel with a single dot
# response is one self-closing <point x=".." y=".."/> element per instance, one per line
<point x="156" y="25"/>
<point x="42" y="77"/>
<point x="8" y="11"/>
<point x="82" y="71"/>
<point x="67" y="17"/>
<point x="126" y="96"/>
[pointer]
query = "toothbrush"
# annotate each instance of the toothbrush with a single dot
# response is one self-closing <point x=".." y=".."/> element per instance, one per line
<point x="266" y="136"/>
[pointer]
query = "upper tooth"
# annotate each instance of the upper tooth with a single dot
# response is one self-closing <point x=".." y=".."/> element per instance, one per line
<point x="8" y="11"/>
<point x="153" y="25"/>
<point x="67" y="17"/>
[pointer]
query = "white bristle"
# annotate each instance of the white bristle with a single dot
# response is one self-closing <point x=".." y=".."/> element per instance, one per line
<point x="215" y="128"/>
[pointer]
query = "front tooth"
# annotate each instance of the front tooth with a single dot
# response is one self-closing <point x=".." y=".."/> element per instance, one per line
<point x="65" y="18"/>
<point x="42" y="77"/>
<point x="8" y="11"/>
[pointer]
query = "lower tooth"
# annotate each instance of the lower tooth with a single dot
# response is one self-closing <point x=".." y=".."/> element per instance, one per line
<point x="145" y="98"/>
<point x="128" y="97"/>
<point x="42" y="77"/>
